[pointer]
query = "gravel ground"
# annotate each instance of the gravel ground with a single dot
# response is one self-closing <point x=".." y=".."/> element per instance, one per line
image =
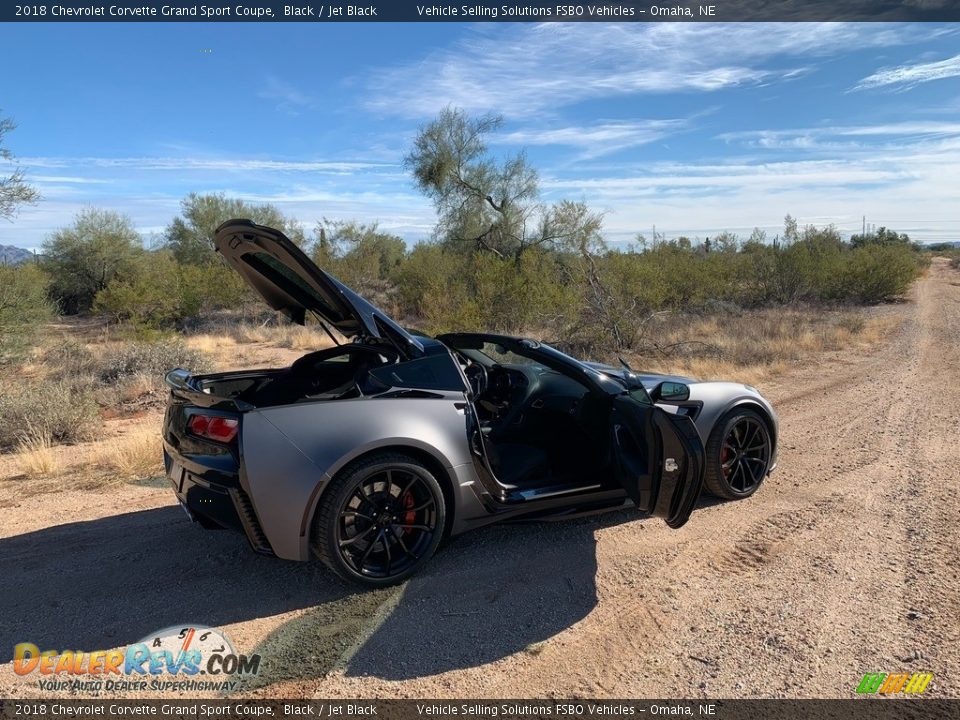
<point x="845" y="562"/>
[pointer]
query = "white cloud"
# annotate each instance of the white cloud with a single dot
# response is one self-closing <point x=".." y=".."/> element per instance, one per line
<point x="204" y="163"/>
<point x="843" y="138"/>
<point x="599" y="139"/>
<point x="288" y="98"/>
<point x="908" y="76"/>
<point x="72" y="179"/>
<point x="913" y="179"/>
<point x="529" y="70"/>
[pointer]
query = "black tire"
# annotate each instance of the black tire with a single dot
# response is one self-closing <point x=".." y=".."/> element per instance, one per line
<point x="380" y="520"/>
<point x="737" y="459"/>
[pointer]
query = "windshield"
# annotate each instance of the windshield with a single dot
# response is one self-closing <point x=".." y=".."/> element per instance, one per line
<point x="496" y="353"/>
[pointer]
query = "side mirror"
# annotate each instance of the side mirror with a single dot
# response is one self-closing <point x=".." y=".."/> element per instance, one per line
<point x="672" y="392"/>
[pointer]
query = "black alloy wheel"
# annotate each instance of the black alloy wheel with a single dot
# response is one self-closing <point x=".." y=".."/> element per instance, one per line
<point x="738" y="455"/>
<point x="380" y="520"/>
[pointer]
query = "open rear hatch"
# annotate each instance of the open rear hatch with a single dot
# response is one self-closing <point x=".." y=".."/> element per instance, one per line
<point x="291" y="283"/>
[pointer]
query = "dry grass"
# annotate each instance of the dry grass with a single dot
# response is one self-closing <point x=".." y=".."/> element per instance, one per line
<point x="233" y="345"/>
<point x="293" y="337"/>
<point x="752" y="347"/>
<point x="297" y="337"/>
<point x="138" y="454"/>
<point x="210" y="343"/>
<point x="138" y="386"/>
<point x="36" y="456"/>
<point x="250" y="333"/>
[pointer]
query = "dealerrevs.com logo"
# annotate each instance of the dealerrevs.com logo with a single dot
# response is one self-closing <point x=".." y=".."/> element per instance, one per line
<point x="893" y="683"/>
<point x="179" y="658"/>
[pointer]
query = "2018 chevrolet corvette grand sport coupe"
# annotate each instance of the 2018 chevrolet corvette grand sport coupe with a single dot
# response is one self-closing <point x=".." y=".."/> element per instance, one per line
<point x="369" y="453"/>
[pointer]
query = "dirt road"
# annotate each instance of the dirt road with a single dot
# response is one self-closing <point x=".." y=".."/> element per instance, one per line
<point x="845" y="562"/>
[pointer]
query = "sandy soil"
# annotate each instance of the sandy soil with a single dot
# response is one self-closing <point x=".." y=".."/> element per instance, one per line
<point x="845" y="562"/>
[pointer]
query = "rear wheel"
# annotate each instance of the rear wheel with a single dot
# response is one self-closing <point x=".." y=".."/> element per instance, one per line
<point x="738" y="455"/>
<point x="380" y="520"/>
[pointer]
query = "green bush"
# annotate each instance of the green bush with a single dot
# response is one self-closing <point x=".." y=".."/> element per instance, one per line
<point x="24" y="307"/>
<point x="63" y="411"/>
<point x="161" y="293"/>
<point x="434" y="290"/>
<point x="84" y="258"/>
<point x="878" y="273"/>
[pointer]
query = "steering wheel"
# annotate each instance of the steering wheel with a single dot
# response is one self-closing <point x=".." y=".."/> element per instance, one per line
<point x="478" y="377"/>
<point x="500" y="385"/>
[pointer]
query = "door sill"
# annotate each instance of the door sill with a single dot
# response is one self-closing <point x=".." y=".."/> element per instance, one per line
<point x="552" y="491"/>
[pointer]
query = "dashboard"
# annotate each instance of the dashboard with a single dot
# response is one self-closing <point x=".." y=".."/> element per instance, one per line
<point x="512" y="390"/>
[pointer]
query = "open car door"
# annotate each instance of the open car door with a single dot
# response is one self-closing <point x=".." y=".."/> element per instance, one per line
<point x="658" y="457"/>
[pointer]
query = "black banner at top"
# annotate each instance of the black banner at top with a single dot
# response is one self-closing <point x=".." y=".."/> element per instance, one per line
<point x="484" y="11"/>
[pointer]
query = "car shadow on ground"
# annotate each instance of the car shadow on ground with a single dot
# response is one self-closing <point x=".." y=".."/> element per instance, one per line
<point x="109" y="582"/>
<point x="486" y="595"/>
<point x="493" y="593"/>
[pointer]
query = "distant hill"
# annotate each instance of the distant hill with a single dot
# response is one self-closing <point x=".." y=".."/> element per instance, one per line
<point x="10" y="255"/>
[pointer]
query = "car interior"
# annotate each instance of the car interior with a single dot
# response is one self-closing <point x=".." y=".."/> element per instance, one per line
<point x="540" y="430"/>
<point x="335" y="373"/>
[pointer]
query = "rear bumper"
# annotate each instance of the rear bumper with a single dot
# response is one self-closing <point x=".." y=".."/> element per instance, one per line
<point x="214" y="498"/>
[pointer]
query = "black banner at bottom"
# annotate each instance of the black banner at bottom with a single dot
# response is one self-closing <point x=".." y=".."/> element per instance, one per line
<point x="852" y="709"/>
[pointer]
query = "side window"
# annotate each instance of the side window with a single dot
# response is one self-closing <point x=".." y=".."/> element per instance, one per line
<point x="435" y="372"/>
<point x="641" y="396"/>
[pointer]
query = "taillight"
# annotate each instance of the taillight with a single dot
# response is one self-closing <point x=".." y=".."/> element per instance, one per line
<point x="214" y="427"/>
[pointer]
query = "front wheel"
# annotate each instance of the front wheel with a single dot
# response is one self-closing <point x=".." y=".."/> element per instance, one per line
<point x="380" y="520"/>
<point x="738" y="455"/>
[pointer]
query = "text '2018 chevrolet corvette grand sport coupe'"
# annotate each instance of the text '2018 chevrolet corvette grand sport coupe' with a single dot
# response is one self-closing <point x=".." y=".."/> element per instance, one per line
<point x="367" y="454"/>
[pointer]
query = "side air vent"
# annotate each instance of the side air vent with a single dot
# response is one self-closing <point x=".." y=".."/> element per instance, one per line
<point x="251" y="525"/>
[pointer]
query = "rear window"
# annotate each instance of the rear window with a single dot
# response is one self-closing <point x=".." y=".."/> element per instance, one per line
<point x="434" y="372"/>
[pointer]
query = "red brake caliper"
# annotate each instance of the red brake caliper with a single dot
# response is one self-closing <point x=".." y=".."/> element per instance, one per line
<point x="724" y="456"/>
<point x="409" y="517"/>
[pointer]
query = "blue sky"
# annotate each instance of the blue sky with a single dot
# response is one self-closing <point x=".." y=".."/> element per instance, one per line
<point x="694" y="128"/>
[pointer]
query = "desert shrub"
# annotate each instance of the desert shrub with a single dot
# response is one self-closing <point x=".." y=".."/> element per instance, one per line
<point x="59" y="410"/>
<point x="161" y="293"/>
<point x="148" y="359"/>
<point x="84" y="258"/>
<point x="853" y="324"/>
<point x="434" y="292"/>
<point x="70" y="359"/>
<point x="515" y="294"/>
<point x="24" y="307"/>
<point x="36" y="456"/>
<point x="138" y="454"/>
<point x="878" y="273"/>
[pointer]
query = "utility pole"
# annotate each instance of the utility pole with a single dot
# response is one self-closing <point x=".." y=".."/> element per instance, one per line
<point x="864" y="233"/>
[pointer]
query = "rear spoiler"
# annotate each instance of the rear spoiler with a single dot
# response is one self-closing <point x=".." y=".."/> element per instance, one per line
<point x="184" y="386"/>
